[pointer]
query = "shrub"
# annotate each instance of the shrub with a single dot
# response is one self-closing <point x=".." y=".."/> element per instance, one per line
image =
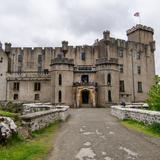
<point x="154" y="95"/>
<point x="155" y="127"/>
<point x="13" y="107"/>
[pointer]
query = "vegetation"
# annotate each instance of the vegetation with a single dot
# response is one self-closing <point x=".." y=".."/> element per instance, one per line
<point x="12" y="107"/>
<point x="152" y="130"/>
<point x="7" y="114"/>
<point x="32" y="149"/>
<point x="154" y="95"/>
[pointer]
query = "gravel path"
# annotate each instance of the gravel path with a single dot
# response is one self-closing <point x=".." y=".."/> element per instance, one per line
<point x="93" y="134"/>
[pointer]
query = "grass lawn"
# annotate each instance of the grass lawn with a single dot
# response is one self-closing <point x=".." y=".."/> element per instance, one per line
<point x="151" y="130"/>
<point x="7" y="114"/>
<point x="32" y="149"/>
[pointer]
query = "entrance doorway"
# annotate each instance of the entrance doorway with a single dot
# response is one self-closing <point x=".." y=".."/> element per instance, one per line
<point x="85" y="97"/>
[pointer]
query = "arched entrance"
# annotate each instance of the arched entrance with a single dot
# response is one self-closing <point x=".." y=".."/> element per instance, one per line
<point x="85" y="96"/>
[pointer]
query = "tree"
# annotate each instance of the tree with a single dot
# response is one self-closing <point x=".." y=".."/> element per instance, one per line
<point x="154" y="95"/>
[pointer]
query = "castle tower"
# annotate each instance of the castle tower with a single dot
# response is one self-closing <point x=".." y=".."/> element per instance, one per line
<point x="141" y="47"/>
<point x="141" y="34"/>
<point x="107" y="74"/>
<point x="62" y="78"/>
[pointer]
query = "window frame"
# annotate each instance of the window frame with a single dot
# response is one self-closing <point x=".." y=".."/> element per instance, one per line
<point x="59" y="96"/>
<point x="109" y="96"/>
<point x="139" y="70"/>
<point x="120" y="52"/>
<point x="36" y="97"/>
<point x="60" y="79"/>
<point x="140" y="87"/>
<point x="15" y="97"/>
<point x="16" y="86"/>
<point x="109" y="79"/>
<point x="121" y="86"/>
<point x="37" y="86"/>
<point x="121" y="68"/>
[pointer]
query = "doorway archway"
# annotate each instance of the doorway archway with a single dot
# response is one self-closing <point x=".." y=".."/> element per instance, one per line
<point x="85" y="96"/>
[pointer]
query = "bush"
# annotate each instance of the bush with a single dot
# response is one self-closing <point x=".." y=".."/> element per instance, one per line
<point x="155" y="127"/>
<point x="13" y="107"/>
<point x="154" y="95"/>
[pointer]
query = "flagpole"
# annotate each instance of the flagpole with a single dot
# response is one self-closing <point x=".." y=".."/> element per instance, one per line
<point x="139" y="19"/>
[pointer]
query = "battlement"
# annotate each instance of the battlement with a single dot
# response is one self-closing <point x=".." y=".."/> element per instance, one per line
<point x="140" y="34"/>
<point x="140" y="27"/>
<point x="64" y="61"/>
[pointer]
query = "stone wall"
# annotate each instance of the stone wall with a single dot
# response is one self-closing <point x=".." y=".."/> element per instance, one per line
<point x="38" y="120"/>
<point x="142" y="115"/>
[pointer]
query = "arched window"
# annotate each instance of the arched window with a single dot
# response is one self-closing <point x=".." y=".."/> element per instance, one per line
<point x="59" y="96"/>
<point x="109" y="79"/>
<point x="60" y="79"/>
<point x="109" y="96"/>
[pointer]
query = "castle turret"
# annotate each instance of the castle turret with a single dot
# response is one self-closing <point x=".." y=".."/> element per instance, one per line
<point x="141" y="34"/>
<point x="106" y="35"/>
<point x="62" y="78"/>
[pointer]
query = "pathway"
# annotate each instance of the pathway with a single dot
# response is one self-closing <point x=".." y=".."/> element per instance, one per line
<point x="93" y="134"/>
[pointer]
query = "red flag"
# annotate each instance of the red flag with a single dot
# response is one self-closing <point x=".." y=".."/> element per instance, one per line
<point x="137" y="14"/>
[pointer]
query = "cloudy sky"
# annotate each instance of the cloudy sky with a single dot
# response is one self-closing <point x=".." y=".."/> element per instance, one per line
<point x="48" y="22"/>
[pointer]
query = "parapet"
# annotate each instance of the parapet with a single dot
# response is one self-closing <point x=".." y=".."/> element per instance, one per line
<point x="141" y="27"/>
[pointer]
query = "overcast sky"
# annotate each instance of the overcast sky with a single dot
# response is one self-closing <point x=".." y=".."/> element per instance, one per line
<point x="48" y="22"/>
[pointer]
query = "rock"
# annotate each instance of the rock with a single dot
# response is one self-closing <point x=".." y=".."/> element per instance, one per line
<point x="7" y="128"/>
<point x="24" y="132"/>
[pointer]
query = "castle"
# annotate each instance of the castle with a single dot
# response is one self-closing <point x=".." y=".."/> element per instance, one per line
<point x="107" y="72"/>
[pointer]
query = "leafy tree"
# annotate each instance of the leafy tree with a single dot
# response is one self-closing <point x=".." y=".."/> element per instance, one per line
<point x="154" y="95"/>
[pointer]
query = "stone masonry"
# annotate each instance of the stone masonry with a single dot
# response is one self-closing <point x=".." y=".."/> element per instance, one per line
<point x="107" y="72"/>
<point x="142" y="115"/>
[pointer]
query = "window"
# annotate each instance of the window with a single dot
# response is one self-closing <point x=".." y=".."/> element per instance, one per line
<point x="84" y="79"/>
<point x="46" y="71"/>
<point x="20" y="58"/>
<point x="120" y="52"/>
<point x="39" y="59"/>
<point x="37" y="86"/>
<point x="15" y="97"/>
<point x="36" y="97"/>
<point x="139" y="69"/>
<point x="109" y="79"/>
<point x="139" y="87"/>
<point x="121" y="68"/>
<point x="121" y="86"/>
<point x="138" y="55"/>
<point x="83" y="56"/>
<point x="19" y="69"/>
<point x="16" y="86"/>
<point x="1" y="59"/>
<point x="59" y="96"/>
<point x="60" y="79"/>
<point x="109" y="96"/>
<point x="39" y="69"/>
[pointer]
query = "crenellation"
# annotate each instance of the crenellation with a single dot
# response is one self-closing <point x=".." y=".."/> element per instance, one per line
<point x="142" y="27"/>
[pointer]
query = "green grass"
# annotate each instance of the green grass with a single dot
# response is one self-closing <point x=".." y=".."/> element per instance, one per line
<point x="151" y="130"/>
<point x="7" y="114"/>
<point x="32" y="149"/>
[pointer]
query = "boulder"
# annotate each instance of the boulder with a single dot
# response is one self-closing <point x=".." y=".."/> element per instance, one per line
<point x="7" y="128"/>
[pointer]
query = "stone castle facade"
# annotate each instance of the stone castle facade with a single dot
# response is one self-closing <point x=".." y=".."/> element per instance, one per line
<point x="109" y="71"/>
